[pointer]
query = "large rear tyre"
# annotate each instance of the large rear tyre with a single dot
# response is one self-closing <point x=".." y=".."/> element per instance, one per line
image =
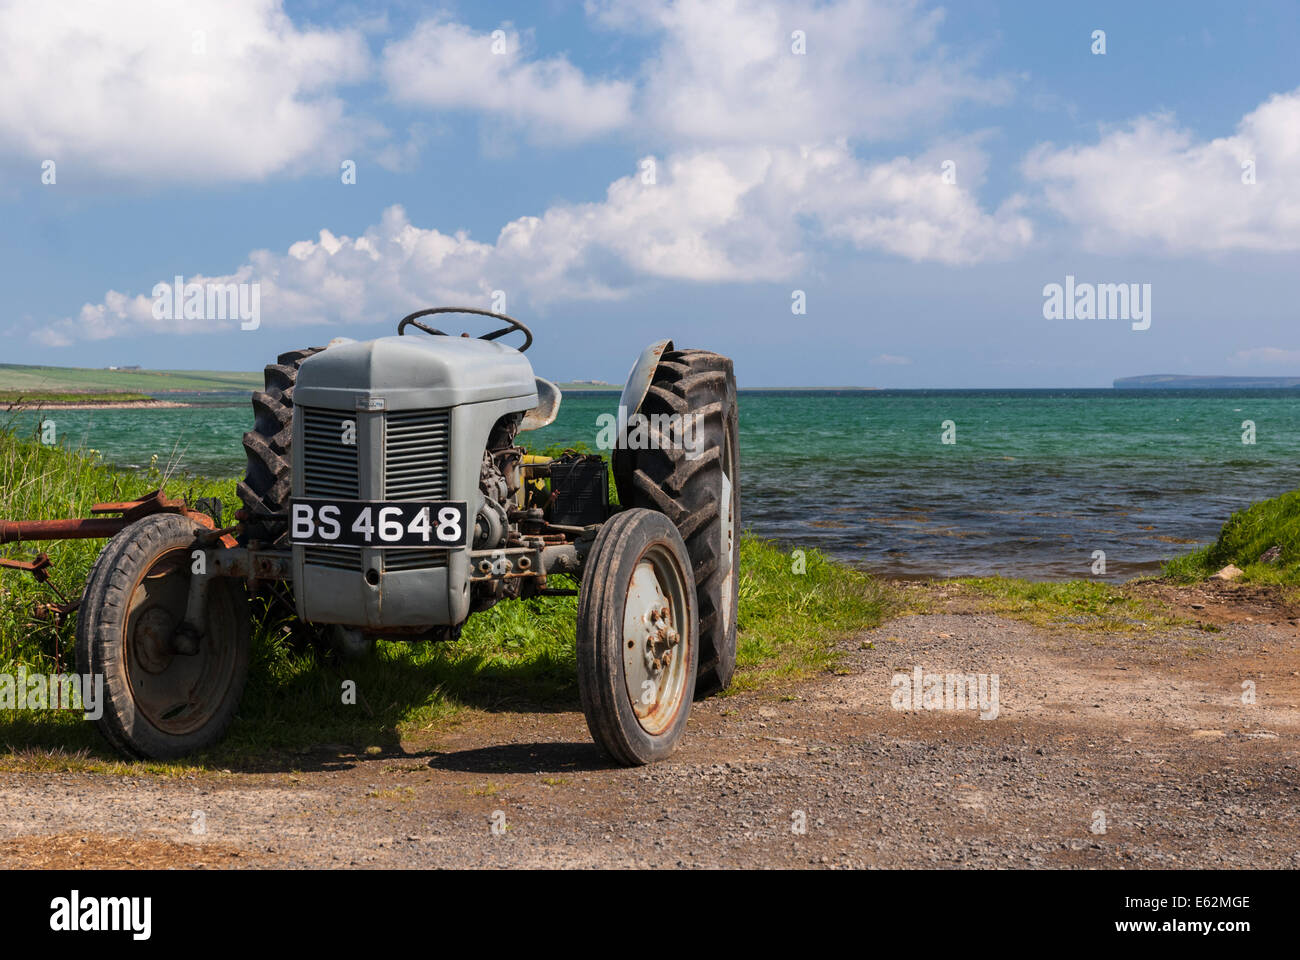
<point x="637" y="637"/>
<point x="697" y="486"/>
<point x="268" y="478"/>
<point x="157" y="703"/>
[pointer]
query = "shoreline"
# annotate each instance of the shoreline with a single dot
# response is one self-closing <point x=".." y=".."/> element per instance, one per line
<point x="95" y="405"/>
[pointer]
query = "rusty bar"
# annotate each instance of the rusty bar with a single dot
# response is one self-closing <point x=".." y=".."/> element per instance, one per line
<point x="38" y="568"/>
<point x="92" y="528"/>
<point x="152" y="502"/>
<point x="74" y="529"/>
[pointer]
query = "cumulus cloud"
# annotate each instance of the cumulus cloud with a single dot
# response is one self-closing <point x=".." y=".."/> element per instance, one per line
<point x="724" y="215"/>
<point x="728" y="71"/>
<point x="146" y="89"/>
<point x="233" y="90"/>
<point x="722" y="72"/>
<point x="904" y="207"/>
<point x="1151" y="184"/>
<point x="446" y="65"/>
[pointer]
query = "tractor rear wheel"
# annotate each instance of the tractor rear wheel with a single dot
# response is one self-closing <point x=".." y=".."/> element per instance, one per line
<point x="268" y="477"/>
<point x="637" y="637"/>
<point x="159" y="703"/>
<point x="697" y="486"/>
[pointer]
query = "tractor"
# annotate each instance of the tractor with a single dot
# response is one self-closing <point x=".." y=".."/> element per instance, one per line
<point x="386" y="497"/>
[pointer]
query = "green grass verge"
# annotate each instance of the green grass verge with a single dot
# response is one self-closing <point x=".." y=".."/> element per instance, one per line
<point x="794" y="609"/>
<point x="1079" y="604"/>
<point x="518" y="655"/>
<point x="1244" y="538"/>
<point x="35" y="397"/>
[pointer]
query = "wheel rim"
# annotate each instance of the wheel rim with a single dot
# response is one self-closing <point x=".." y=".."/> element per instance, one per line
<point x="656" y="639"/>
<point x="176" y="694"/>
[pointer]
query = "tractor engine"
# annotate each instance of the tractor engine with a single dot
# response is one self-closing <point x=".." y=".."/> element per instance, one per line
<point x="404" y="453"/>
<point x="499" y="482"/>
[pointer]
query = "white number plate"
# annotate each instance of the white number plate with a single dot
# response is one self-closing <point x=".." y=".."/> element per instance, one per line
<point x="371" y="523"/>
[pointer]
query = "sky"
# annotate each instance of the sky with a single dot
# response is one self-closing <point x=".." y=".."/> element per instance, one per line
<point x="877" y="193"/>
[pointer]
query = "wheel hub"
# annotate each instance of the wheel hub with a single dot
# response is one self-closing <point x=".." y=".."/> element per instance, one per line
<point x="652" y="651"/>
<point x="661" y="637"/>
<point x="151" y="640"/>
<point x="175" y="691"/>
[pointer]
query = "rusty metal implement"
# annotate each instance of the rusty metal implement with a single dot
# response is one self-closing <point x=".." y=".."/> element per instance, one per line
<point x="90" y="528"/>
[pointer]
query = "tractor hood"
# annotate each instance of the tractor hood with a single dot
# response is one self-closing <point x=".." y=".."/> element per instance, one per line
<point x="415" y="372"/>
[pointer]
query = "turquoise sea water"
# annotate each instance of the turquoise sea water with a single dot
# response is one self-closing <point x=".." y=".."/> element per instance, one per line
<point x="1036" y="481"/>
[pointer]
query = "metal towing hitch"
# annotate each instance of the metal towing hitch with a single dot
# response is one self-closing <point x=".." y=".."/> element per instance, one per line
<point x="98" y="526"/>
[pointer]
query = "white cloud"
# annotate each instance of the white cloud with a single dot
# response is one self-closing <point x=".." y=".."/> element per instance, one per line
<point x="446" y="65"/>
<point x="723" y="72"/>
<point x="121" y="89"/>
<point x="1152" y="184"/>
<point x="904" y="207"/>
<point x="892" y="360"/>
<point x="1275" y="357"/>
<point x="726" y="72"/>
<point x="726" y="215"/>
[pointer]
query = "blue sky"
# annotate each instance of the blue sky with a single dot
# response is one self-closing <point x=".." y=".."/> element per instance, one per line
<point x="206" y="139"/>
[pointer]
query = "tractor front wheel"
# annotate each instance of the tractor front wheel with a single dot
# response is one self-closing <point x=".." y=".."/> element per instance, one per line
<point x="159" y="702"/>
<point x="638" y="629"/>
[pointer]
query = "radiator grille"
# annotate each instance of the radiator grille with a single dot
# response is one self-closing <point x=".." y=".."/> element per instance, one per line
<point x="340" y="558"/>
<point x="402" y="558"/>
<point x="415" y="468"/>
<point x="415" y="455"/>
<point x="329" y="465"/>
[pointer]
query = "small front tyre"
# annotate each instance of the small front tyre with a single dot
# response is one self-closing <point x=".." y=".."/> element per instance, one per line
<point x="157" y="703"/>
<point x="638" y="637"/>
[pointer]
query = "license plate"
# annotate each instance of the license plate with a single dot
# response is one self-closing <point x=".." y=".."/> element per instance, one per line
<point x="378" y="523"/>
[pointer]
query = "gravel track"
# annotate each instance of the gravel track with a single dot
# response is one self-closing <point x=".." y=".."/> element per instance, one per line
<point x="1147" y="732"/>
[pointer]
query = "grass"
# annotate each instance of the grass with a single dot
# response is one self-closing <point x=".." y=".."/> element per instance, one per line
<point x="794" y="608"/>
<point x="1244" y="538"/>
<point x="24" y="379"/>
<point x="519" y="655"/>
<point x="35" y="398"/>
<point x="1080" y="604"/>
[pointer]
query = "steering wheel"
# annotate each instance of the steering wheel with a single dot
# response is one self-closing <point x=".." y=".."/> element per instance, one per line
<point x="413" y="321"/>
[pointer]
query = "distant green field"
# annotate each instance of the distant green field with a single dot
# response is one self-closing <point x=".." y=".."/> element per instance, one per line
<point x="41" y="396"/>
<point x="17" y="378"/>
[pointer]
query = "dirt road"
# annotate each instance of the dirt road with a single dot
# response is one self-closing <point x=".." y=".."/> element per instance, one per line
<point x="1105" y="751"/>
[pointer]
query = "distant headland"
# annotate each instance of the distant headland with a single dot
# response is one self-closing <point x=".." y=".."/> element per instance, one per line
<point x="1174" y="381"/>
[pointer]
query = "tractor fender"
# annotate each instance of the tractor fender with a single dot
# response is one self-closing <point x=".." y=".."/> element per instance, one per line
<point x="547" y="409"/>
<point x="641" y="376"/>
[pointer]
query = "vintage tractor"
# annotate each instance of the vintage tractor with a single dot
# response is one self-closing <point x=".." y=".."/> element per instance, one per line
<point x="386" y="497"/>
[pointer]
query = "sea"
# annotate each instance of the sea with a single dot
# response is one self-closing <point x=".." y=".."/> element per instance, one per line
<point x="1044" y="484"/>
